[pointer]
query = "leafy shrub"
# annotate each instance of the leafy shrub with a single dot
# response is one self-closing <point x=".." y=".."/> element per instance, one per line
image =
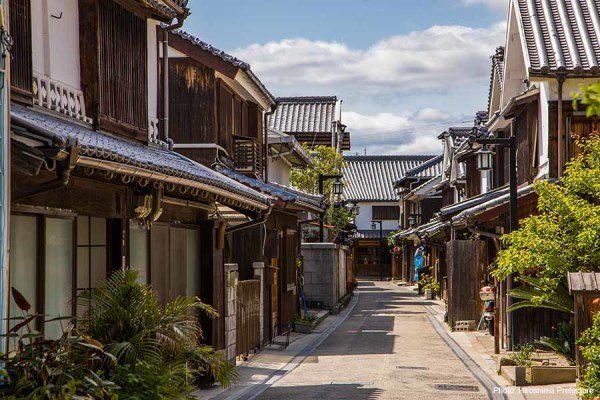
<point x="563" y="342"/>
<point x="590" y="349"/>
<point x="427" y="282"/>
<point x="53" y="369"/>
<point x="522" y="355"/>
<point x="157" y="347"/>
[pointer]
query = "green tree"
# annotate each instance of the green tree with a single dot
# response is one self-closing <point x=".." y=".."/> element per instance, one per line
<point x="326" y="161"/>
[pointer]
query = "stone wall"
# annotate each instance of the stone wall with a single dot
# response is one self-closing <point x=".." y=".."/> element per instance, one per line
<point x="324" y="273"/>
<point x="231" y="279"/>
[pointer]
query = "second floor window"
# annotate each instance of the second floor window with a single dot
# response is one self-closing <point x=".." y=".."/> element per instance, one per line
<point x="385" y="213"/>
<point x="21" y="53"/>
<point x="123" y="67"/>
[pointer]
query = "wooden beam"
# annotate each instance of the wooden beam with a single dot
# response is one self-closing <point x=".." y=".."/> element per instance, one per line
<point x="204" y="57"/>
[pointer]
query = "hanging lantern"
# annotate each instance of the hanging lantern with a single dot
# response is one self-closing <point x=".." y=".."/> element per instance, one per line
<point x="484" y="159"/>
<point x="338" y="187"/>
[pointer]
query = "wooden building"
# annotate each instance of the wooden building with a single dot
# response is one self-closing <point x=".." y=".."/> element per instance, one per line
<point x="218" y="109"/>
<point x="95" y="184"/>
<point x="368" y="185"/>
<point x="312" y="120"/>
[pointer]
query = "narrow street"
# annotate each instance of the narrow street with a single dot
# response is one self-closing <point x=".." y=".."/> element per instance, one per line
<point x="387" y="348"/>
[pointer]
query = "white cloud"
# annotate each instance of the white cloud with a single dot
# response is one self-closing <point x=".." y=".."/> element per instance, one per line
<point x="433" y="60"/>
<point x="403" y="133"/>
<point x="498" y="5"/>
<point x="399" y="93"/>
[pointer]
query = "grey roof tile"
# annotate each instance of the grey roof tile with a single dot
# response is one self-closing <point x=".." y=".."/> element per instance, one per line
<point x="244" y="66"/>
<point x="561" y="35"/>
<point x="276" y="190"/>
<point x="105" y="146"/>
<point x="371" y="178"/>
<point x="304" y="114"/>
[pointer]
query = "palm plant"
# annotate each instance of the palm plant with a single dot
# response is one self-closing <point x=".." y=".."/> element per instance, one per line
<point x="536" y="294"/>
<point x="148" y="338"/>
<point x="563" y="343"/>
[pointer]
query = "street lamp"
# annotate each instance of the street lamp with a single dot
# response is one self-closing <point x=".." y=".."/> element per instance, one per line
<point x="484" y="159"/>
<point x="412" y="221"/>
<point x="374" y="226"/>
<point x="338" y="188"/>
<point x="356" y="209"/>
<point x="484" y="163"/>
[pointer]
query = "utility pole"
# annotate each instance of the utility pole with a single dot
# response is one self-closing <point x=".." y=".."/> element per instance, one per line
<point x="5" y="42"/>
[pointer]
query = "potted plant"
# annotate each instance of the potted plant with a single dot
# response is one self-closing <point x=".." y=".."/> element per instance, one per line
<point x="305" y="324"/>
<point x="430" y="286"/>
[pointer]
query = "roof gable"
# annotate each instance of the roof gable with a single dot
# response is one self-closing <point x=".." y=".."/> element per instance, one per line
<point x="560" y="35"/>
<point x="304" y="114"/>
<point x="371" y="178"/>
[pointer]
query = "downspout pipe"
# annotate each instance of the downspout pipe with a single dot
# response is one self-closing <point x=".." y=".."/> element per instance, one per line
<point x="250" y="224"/>
<point x="560" y="78"/>
<point x="165" y="71"/>
<point x="266" y="142"/>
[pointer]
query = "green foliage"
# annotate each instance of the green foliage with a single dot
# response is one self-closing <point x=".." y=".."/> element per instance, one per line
<point x="590" y="349"/>
<point x="565" y="236"/>
<point x="153" y="344"/>
<point x="390" y="239"/>
<point x="427" y="282"/>
<point x="326" y="161"/>
<point x="522" y="355"/>
<point x="590" y="98"/>
<point x="53" y="369"/>
<point x="537" y="294"/>
<point x="563" y="342"/>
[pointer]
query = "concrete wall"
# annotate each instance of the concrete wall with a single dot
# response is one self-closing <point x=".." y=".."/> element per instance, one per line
<point x="363" y="220"/>
<point x="324" y="273"/>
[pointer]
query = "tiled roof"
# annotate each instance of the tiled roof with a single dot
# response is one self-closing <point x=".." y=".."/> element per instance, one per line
<point x="276" y="190"/>
<point x="107" y="147"/>
<point x="495" y="201"/>
<point x="371" y="178"/>
<point x="561" y="35"/>
<point x="584" y="282"/>
<point x="372" y="234"/>
<point x="497" y="74"/>
<point x="429" y="169"/>
<point x="304" y="114"/>
<point x="453" y="209"/>
<point x="165" y="11"/>
<point x="429" y="229"/>
<point x="244" y="66"/>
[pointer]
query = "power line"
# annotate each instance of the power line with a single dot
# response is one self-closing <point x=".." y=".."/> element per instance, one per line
<point x="409" y="129"/>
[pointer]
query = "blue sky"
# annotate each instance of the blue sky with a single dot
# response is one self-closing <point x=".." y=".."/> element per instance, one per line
<point x="404" y="68"/>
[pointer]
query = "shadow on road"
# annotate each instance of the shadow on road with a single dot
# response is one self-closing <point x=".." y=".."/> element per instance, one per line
<point x="354" y="391"/>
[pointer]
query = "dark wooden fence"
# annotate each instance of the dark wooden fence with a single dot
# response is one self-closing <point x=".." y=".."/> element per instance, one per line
<point x="248" y="316"/>
<point x="467" y="261"/>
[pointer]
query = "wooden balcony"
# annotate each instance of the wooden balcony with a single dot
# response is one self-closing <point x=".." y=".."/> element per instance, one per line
<point x="246" y="154"/>
<point x="59" y="97"/>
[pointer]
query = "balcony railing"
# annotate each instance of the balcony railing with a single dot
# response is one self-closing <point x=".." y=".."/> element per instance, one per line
<point x="246" y="155"/>
<point x="59" y="97"/>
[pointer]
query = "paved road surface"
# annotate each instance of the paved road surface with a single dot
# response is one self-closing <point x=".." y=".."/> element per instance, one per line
<point x="387" y="348"/>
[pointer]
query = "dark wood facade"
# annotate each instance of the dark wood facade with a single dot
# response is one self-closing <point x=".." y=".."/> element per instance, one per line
<point x="114" y="67"/>
<point x="21" y="51"/>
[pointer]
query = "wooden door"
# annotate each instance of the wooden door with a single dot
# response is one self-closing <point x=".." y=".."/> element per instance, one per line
<point x="248" y="316"/>
<point x="467" y="262"/>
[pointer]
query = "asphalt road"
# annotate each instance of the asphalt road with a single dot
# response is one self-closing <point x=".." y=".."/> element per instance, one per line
<point x="387" y="348"/>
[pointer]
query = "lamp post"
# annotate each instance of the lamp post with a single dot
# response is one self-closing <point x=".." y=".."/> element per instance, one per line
<point x="374" y="226"/>
<point x="338" y="188"/>
<point x="484" y="163"/>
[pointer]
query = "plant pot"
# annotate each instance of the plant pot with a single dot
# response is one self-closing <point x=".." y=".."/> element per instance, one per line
<point x="428" y="294"/>
<point x="303" y="327"/>
<point x="548" y="375"/>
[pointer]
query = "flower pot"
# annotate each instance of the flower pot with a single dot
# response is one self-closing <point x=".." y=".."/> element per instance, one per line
<point x="303" y="327"/>
<point x="428" y="294"/>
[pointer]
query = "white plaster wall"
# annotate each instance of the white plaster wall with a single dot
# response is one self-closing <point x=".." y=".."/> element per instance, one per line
<point x="515" y="70"/>
<point x="279" y="171"/>
<point x="152" y="69"/>
<point x="363" y="220"/>
<point x="55" y="41"/>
